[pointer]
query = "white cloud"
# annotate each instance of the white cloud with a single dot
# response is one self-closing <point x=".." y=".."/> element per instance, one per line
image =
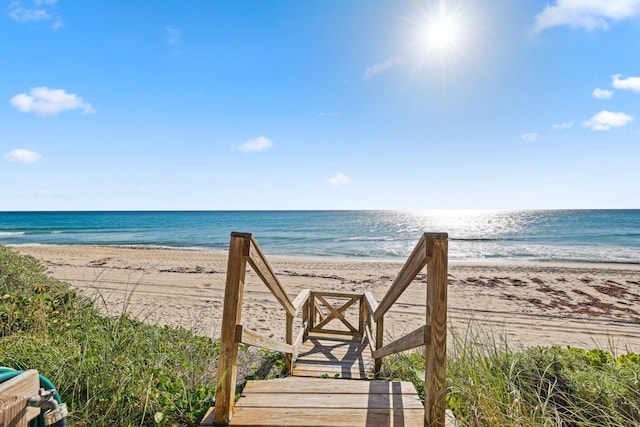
<point x="258" y="144"/>
<point x="174" y="36"/>
<point x="339" y="179"/>
<point x="45" y="101"/>
<point x="21" y="155"/>
<point x="566" y="125"/>
<point x="328" y="114"/>
<point x="631" y="83"/>
<point x="602" y="93"/>
<point x="529" y="137"/>
<point x="381" y="67"/>
<point x="34" y="12"/>
<point x="586" y="14"/>
<point x="605" y="120"/>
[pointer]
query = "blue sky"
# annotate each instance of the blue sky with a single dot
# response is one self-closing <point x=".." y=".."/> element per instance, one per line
<point x="363" y="104"/>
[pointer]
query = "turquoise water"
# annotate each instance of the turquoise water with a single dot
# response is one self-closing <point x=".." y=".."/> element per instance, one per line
<point x="557" y="235"/>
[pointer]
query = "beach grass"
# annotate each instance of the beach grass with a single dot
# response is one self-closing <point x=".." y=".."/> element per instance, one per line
<point x="117" y="370"/>
<point x="491" y="385"/>
<point x="109" y="370"/>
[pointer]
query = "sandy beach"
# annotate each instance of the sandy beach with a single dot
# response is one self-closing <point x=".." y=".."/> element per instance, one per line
<point x="585" y="305"/>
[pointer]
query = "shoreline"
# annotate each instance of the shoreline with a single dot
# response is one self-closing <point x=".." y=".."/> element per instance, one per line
<point x="529" y="303"/>
<point x="488" y="261"/>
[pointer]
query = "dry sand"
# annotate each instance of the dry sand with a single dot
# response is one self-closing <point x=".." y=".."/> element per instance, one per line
<point x="586" y="305"/>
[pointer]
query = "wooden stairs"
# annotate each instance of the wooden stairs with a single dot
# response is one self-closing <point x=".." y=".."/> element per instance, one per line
<point x="335" y="356"/>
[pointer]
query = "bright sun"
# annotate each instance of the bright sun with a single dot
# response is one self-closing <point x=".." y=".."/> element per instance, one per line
<point x="442" y="33"/>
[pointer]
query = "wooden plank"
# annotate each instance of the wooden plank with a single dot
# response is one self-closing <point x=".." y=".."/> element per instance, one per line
<point x="334" y="357"/>
<point x="436" y="350"/>
<point x="231" y="317"/>
<point x="317" y="417"/>
<point x="297" y="344"/>
<point x="334" y="372"/>
<point x="299" y="301"/>
<point x="334" y="331"/>
<point x="313" y="401"/>
<point x="342" y="295"/>
<point x="416" y="262"/>
<point x="370" y="300"/>
<point x="297" y="401"/>
<point x="297" y="385"/>
<point x="334" y="346"/>
<point x="420" y="336"/>
<point x="259" y="263"/>
<point x="246" y="336"/>
<point x="26" y="384"/>
<point x="329" y="400"/>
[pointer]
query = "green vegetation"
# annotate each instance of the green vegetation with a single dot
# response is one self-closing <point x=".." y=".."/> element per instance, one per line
<point x="489" y="385"/>
<point x="108" y="370"/>
<point x="120" y="371"/>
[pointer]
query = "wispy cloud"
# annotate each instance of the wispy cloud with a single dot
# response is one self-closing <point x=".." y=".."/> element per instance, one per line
<point x="173" y="39"/>
<point x="339" y="179"/>
<point x="49" y="102"/>
<point x="605" y="120"/>
<point x="259" y="144"/>
<point x="630" y="83"/>
<point x="382" y="67"/>
<point x="530" y="136"/>
<point x="20" y="155"/>
<point x="602" y="93"/>
<point x="35" y="11"/>
<point x="48" y="194"/>
<point x="565" y="125"/>
<point x="586" y="14"/>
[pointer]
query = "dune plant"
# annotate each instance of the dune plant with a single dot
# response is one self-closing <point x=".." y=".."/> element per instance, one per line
<point x="109" y="370"/>
<point x="491" y="385"/>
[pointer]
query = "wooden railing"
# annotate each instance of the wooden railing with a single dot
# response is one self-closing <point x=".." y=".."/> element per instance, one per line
<point x="431" y="251"/>
<point x="244" y="249"/>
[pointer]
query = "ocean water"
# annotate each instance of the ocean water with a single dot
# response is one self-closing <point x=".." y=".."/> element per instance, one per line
<point x="536" y="235"/>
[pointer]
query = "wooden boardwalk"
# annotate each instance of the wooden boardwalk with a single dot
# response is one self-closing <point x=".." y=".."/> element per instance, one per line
<point x="337" y="352"/>
<point x="327" y="389"/>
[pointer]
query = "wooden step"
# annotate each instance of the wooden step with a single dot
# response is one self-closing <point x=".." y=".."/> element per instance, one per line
<point x="328" y="402"/>
<point x="335" y="357"/>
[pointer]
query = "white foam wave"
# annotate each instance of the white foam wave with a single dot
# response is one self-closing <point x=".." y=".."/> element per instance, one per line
<point x="11" y="233"/>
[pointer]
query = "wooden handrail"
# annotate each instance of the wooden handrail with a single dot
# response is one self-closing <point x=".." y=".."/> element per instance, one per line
<point x="420" y="336"/>
<point x="415" y="263"/>
<point x="258" y="261"/>
<point x="243" y="249"/>
<point x="432" y="252"/>
<point x="247" y="336"/>
<point x="371" y="302"/>
<point x="300" y="300"/>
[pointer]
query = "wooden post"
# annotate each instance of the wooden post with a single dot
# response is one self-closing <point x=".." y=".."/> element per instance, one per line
<point x="289" y="340"/>
<point x="379" y="343"/>
<point x="362" y="316"/>
<point x="306" y="319"/>
<point x="435" y="384"/>
<point x="231" y="317"/>
<point x="312" y="311"/>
